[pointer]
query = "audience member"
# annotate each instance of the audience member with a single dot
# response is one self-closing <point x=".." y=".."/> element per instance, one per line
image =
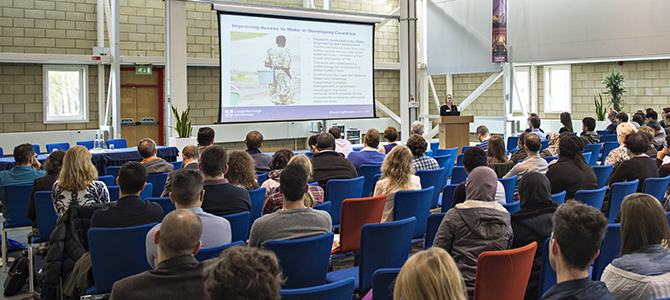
<point x="663" y="164"/>
<point x="429" y="275"/>
<point x="532" y="164"/>
<point x="154" y="164"/>
<point x="642" y="270"/>
<point x="496" y="150"/>
<point x="639" y="166"/>
<point x="529" y="129"/>
<point x="397" y="175"/>
<point x="472" y="158"/>
<point x="77" y="184"/>
<point x="277" y="164"/>
<point x="241" y="171"/>
<point x="341" y="144"/>
<point x="637" y="120"/>
<point x="521" y="153"/>
<point x="621" y="118"/>
<point x="483" y="135"/>
<point x="659" y="133"/>
<point x="533" y="222"/>
<point x="391" y="135"/>
<point x="650" y="115"/>
<point x="205" y="138"/>
<point x="578" y="231"/>
<point x="312" y="143"/>
<point x="552" y="142"/>
<point x="328" y="164"/>
<point x="667" y="122"/>
<point x="620" y="153"/>
<point x="589" y="133"/>
<point x="571" y="172"/>
<point x="313" y="196"/>
<point x="418" y="128"/>
<point x="188" y="194"/>
<point x="369" y="154"/>
<point x="613" y="117"/>
<point x="664" y="112"/>
<point x="479" y="224"/>
<point x="254" y="142"/>
<point x="534" y="122"/>
<point x="190" y="155"/>
<point x="294" y="220"/>
<point x="566" y="121"/>
<point x="417" y="145"/>
<point x="52" y="166"/>
<point x="178" y="274"/>
<point x="649" y="133"/>
<point x="129" y="210"/>
<point x="243" y="273"/>
<point x="27" y="169"/>
<point x="221" y="197"/>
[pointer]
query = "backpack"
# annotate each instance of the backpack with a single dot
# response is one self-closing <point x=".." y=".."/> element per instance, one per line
<point x="17" y="275"/>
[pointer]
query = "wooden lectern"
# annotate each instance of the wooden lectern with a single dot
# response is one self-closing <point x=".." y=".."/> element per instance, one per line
<point x="454" y="131"/>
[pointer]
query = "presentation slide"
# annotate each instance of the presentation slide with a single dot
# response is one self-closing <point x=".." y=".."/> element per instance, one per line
<point x="275" y="69"/>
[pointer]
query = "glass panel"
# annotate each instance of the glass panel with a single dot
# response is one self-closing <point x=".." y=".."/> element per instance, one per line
<point x="522" y="90"/>
<point x="559" y="99"/>
<point x="64" y="93"/>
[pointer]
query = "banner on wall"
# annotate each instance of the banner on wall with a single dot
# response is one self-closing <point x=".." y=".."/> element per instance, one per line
<point x="499" y="46"/>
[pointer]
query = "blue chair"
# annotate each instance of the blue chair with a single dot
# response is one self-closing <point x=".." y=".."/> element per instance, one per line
<point x="433" y="223"/>
<point x="57" y="146"/>
<point x="587" y="156"/>
<point x="356" y="149"/>
<point x="547" y="274"/>
<point x="341" y="290"/>
<point x="113" y="170"/>
<point x="325" y="206"/>
<point x="147" y="191"/>
<point x="176" y="164"/>
<point x="545" y="144"/>
<point x="315" y="183"/>
<point x="2" y="153"/>
<point x="46" y="223"/>
<point x="158" y="183"/>
<point x="434" y="146"/>
<point x="609" y="250"/>
<point x="509" y="184"/>
<point x="594" y="149"/>
<point x="435" y="179"/>
<point x="383" y="281"/>
<point x="602" y="174"/>
<point x="429" y="153"/>
<point x="376" y="252"/>
<point x="165" y="203"/>
<point x="656" y="186"/>
<point x="592" y="197"/>
<point x="608" y="147"/>
<point x="618" y="191"/>
<point x="18" y="197"/>
<point x="443" y="160"/>
<point x="87" y="144"/>
<point x="458" y="175"/>
<point x="261" y="178"/>
<point x="214" y="252"/>
<point x="257" y="198"/>
<point x="113" y="192"/>
<point x="465" y="148"/>
<point x="239" y="225"/>
<point x="512" y="207"/>
<point x="601" y="132"/>
<point x="304" y="262"/>
<point x="339" y="189"/>
<point x="118" y="143"/>
<point x="414" y="204"/>
<point x="116" y="253"/>
<point x="512" y="142"/>
<point x="368" y="171"/>
<point x="450" y="151"/>
<point x="107" y="179"/>
<point x="448" y="196"/>
<point x="559" y="198"/>
<point x="611" y="137"/>
<point x="309" y="154"/>
<point x="36" y="148"/>
<point x="549" y="159"/>
<point x="459" y="160"/>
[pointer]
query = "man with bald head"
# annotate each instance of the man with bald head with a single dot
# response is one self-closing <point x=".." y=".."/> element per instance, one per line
<point x="254" y="141"/>
<point x="328" y="164"/>
<point x="154" y="164"/>
<point x="190" y="155"/>
<point x="178" y="274"/>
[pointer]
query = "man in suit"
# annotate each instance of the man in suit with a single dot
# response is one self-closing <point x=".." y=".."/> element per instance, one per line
<point x="254" y="142"/>
<point x="190" y="155"/>
<point x="328" y="164"/>
<point x="178" y="274"/>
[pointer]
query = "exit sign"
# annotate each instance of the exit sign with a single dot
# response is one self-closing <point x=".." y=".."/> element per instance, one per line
<point x="143" y="69"/>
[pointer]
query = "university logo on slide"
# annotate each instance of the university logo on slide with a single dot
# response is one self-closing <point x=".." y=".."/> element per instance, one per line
<point x="228" y="113"/>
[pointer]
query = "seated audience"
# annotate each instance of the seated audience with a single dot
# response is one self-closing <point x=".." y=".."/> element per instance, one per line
<point x="221" y="197"/>
<point x="521" y="153"/>
<point x="496" y="150"/>
<point x="418" y="128"/>
<point x="639" y="166"/>
<point x="254" y="142"/>
<point x="77" y="184"/>
<point x="483" y="135"/>
<point x="328" y="164"/>
<point x="637" y="120"/>
<point x="369" y="154"/>
<point x="589" y="133"/>
<point x="532" y="164"/>
<point x="430" y="274"/>
<point x="190" y="155"/>
<point x="178" y="275"/>
<point x="652" y="116"/>
<point x="566" y="121"/>
<point x="578" y="231"/>
<point x="659" y="133"/>
<point x="312" y="143"/>
<point x="247" y="273"/>
<point x="663" y="164"/>
<point x="205" y="138"/>
<point x="529" y="129"/>
<point x="421" y="162"/>
<point x="533" y="222"/>
<point x="397" y="175"/>
<point x="664" y="112"/>
<point x="313" y="196"/>
<point x="620" y="154"/>
<point x="27" y="169"/>
<point x="154" y="164"/>
<point x="612" y="116"/>
<point x="643" y="270"/>
<point x="621" y="118"/>
<point x="341" y="144"/>
<point x="188" y="194"/>
<point x="472" y="159"/>
<point x="534" y="123"/>
<point x="129" y="210"/>
<point x="277" y="164"/>
<point x="52" y="166"/>
<point x="241" y="171"/>
<point x="649" y="133"/>
<point x="294" y="220"/>
<point x="391" y="135"/>
<point x="479" y="224"/>
<point x="571" y="172"/>
<point x="552" y="142"/>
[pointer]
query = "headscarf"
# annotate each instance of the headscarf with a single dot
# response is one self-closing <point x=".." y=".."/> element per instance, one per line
<point x="535" y="192"/>
<point x="481" y="184"/>
<point x="553" y="139"/>
<point x="572" y="147"/>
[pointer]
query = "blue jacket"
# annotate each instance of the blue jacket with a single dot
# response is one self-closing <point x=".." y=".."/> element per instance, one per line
<point x="17" y="175"/>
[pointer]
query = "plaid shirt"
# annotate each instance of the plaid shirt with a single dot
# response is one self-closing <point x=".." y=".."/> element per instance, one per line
<point x="423" y="162"/>
<point x="276" y="201"/>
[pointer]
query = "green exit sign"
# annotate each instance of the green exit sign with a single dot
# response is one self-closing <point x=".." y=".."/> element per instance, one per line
<point x="143" y="69"/>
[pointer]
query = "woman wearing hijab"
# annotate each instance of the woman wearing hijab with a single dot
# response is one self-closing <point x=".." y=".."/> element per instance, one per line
<point x="479" y="224"/>
<point x="533" y="222"/>
<point x="552" y="150"/>
<point x="571" y="173"/>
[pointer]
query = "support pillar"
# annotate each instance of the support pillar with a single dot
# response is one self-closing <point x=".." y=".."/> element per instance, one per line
<point x="408" y="88"/>
<point x="176" y="82"/>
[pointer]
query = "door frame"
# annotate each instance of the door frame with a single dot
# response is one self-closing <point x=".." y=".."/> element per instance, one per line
<point x="159" y="85"/>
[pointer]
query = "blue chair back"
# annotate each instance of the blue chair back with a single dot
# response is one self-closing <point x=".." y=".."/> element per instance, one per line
<point x="147" y="191"/>
<point x="443" y="160"/>
<point x="414" y="204"/>
<point x="325" y="206"/>
<point x="656" y="186"/>
<point x="113" y="170"/>
<point x="113" y="192"/>
<point x="618" y="191"/>
<point x="450" y="151"/>
<point x="547" y="274"/>
<point x="459" y="160"/>
<point x="602" y="174"/>
<point x="594" y="149"/>
<point x="87" y="144"/>
<point x="356" y="149"/>
<point x="512" y="207"/>
<point x="435" y="179"/>
<point x="465" y="148"/>
<point x="448" y="196"/>
<point x="309" y="154"/>
<point x="610" y="137"/>
<point x="608" y="147"/>
<point x="176" y="164"/>
<point x="109" y="180"/>
<point x="304" y="262"/>
<point x="368" y="171"/>
<point x="550" y="158"/>
<point x="46" y="216"/>
<point x="341" y="290"/>
<point x="261" y="178"/>
<point x="57" y="146"/>
<point x="587" y="156"/>
<point x="2" y="153"/>
<point x="433" y="223"/>
<point x="239" y="225"/>
<point x="458" y="175"/>
<point x="434" y="146"/>
<point x="601" y="132"/>
<point x="118" y="143"/>
<point x="36" y="148"/>
<point x="164" y="202"/>
<point x="609" y="250"/>
<point x="545" y="144"/>
<point x="117" y="253"/>
<point x="591" y="197"/>
<point x="383" y="281"/>
<point x="512" y="142"/>
<point x="158" y="183"/>
<point x="214" y="252"/>
<point x="18" y="197"/>
<point x="559" y="198"/>
<point x="429" y="153"/>
<point x="315" y="183"/>
<point x="257" y="198"/>
<point x="509" y="184"/>
<point x="339" y="189"/>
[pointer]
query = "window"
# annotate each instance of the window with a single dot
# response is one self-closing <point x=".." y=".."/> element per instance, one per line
<point x="522" y="91"/>
<point x="557" y="89"/>
<point x="65" y="94"/>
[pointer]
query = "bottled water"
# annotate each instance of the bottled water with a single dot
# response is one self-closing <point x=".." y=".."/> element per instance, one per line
<point x="96" y="143"/>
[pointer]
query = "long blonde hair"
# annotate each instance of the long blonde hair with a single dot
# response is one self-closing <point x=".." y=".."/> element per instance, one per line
<point x="397" y="167"/>
<point x="304" y="161"/>
<point x="78" y="170"/>
<point x="430" y="275"/>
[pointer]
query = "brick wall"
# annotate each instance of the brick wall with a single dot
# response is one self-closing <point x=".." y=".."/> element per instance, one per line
<point x="269" y="145"/>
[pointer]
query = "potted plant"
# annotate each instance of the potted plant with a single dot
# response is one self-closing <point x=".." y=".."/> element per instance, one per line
<point x="601" y="108"/>
<point x="614" y="88"/>
<point x="183" y="128"/>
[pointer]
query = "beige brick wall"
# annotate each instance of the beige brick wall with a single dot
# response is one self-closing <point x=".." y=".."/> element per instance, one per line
<point x="269" y="145"/>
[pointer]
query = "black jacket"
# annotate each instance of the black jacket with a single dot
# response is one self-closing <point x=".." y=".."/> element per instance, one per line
<point x="331" y="165"/>
<point x="529" y="226"/>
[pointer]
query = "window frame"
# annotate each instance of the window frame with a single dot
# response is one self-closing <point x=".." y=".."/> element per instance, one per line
<point x="522" y="69"/>
<point x="83" y="116"/>
<point x="547" y="81"/>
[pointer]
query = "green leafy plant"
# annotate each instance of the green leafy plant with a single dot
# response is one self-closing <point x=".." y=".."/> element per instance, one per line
<point x="601" y="108"/>
<point x="182" y="123"/>
<point x="614" y="85"/>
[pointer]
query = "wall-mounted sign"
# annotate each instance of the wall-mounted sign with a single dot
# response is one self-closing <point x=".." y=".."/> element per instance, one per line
<point x="143" y="69"/>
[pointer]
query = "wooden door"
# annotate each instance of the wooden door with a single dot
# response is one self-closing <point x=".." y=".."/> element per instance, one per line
<point x="141" y="98"/>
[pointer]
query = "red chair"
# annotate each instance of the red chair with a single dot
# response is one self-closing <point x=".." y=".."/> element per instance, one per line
<point x="503" y="275"/>
<point x="357" y="212"/>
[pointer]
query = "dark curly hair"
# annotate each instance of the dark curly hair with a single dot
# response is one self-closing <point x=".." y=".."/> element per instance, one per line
<point x="417" y="145"/>
<point x="280" y="159"/>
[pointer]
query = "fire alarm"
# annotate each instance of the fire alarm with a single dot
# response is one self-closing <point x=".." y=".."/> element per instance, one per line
<point x="620" y="63"/>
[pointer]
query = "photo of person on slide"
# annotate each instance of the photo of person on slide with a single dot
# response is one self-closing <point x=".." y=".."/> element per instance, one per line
<point x="278" y="58"/>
